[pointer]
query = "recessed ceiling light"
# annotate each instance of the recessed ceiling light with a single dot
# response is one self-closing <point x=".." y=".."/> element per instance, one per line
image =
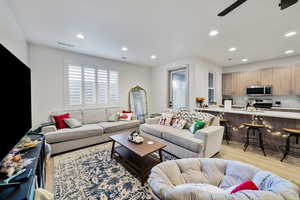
<point x="290" y="34"/>
<point x="153" y="57"/>
<point x="289" y="51"/>
<point x="232" y="49"/>
<point x="245" y="60"/>
<point x="213" y="33"/>
<point x="80" y="36"/>
<point x="124" y="49"/>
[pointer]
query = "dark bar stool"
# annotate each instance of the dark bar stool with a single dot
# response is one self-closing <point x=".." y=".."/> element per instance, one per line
<point x="287" y="148"/>
<point x="226" y="124"/>
<point x="257" y="138"/>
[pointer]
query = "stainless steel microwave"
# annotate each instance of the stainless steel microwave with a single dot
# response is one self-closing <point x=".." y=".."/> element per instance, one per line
<point x="259" y="90"/>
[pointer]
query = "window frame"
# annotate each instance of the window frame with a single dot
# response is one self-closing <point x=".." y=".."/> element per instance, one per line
<point x="97" y="96"/>
<point x="211" y="87"/>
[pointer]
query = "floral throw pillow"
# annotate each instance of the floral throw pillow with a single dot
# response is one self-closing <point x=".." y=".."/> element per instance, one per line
<point x="166" y="119"/>
<point x="179" y="123"/>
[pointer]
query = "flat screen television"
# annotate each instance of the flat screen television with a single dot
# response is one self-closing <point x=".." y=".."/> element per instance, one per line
<point x="16" y="97"/>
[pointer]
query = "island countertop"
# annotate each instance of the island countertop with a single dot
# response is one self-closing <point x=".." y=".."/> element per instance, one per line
<point x="264" y="113"/>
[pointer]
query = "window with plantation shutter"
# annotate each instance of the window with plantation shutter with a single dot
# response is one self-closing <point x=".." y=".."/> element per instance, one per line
<point x="114" y="87"/>
<point x="74" y="76"/>
<point x="102" y="83"/>
<point x="91" y="86"/>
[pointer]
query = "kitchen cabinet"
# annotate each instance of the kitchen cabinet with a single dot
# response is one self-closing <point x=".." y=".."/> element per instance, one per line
<point x="253" y="78"/>
<point x="282" y="81"/>
<point x="266" y="76"/>
<point x="296" y="80"/>
<point x="239" y="83"/>
<point x="227" y="84"/>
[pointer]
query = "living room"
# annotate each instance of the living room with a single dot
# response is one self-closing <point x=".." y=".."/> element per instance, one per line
<point x="184" y="79"/>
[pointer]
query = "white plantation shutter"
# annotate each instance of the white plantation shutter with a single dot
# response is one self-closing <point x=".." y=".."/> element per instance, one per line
<point x="102" y="83"/>
<point x="74" y="75"/>
<point x="114" y="87"/>
<point x="89" y="85"/>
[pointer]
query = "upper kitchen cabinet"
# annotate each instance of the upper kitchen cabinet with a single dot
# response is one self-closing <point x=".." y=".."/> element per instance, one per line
<point x="253" y="78"/>
<point x="239" y="80"/>
<point x="227" y="84"/>
<point x="296" y="80"/>
<point x="282" y="81"/>
<point x="266" y="76"/>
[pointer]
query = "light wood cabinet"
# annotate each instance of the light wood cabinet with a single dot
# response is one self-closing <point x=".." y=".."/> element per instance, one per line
<point x="296" y="80"/>
<point x="239" y="83"/>
<point x="253" y="78"/>
<point x="282" y="81"/>
<point x="266" y="76"/>
<point x="227" y="84"/>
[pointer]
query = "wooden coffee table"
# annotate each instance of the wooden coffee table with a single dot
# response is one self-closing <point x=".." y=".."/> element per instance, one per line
<point x="137" y="158"/>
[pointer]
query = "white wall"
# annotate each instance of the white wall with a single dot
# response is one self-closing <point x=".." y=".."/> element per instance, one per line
<point x="198" y="82"/>
<point x="11" y="34"/>
<point x="264" y="64"/>
<point x="47" y="66"/>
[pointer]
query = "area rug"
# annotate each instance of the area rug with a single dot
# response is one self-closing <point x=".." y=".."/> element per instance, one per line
<point x="90" y="174"/>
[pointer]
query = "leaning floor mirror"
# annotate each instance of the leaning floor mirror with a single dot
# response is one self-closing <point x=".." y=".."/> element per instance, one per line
<point x="138" y="102"/>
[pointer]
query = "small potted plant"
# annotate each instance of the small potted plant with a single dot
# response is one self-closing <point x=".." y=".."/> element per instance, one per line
<point x="199" y="102"/>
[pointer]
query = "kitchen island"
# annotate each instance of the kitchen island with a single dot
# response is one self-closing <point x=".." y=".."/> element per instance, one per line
<point x="277" y="119"/>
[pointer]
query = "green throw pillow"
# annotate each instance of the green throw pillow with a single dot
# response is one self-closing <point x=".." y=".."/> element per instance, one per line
<point x="197" y="125"/>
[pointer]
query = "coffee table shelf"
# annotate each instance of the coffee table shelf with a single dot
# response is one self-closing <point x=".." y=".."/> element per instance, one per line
<point x="137" y="158"/>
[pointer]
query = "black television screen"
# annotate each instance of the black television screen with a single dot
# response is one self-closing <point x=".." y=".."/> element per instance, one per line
<point x="16" y="98"/>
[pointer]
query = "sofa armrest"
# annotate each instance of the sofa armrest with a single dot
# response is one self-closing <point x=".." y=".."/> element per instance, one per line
<point x="48" y="129"/>
<point x="154" y="120"/>
<point x="212" y="137"/>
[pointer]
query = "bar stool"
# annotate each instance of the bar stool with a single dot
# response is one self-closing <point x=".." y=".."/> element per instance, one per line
<point x="226" y="124"/>
<point x="287" y="148"/>
<point x="256" y="139"/>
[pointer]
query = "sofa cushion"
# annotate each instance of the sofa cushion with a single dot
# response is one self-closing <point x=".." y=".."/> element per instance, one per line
<point x="183" y="138"/>
<point x="112" y="110"/>
<point x="76" y="114"/>
<point x="67" y="134"/>
<point x="92" y="116"/>
<point x="118" y="125"/>
<point x="153" y="129"/>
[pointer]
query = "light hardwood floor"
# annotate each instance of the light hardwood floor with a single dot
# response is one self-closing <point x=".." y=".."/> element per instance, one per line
<point x="289" y="169"/>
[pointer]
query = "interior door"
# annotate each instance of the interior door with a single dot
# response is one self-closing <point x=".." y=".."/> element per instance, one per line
<point x="178" y="84"/>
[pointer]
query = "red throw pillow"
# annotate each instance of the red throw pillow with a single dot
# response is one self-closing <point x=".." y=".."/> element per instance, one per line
<point x="126" y="111"/>
<point x="60" y="122"/>
<point x="247" y="185"/>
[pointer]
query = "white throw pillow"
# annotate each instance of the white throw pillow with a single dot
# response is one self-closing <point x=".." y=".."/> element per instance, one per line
<point x="72" y="123"/>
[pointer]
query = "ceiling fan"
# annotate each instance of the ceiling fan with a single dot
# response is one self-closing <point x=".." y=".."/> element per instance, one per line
<point x="283" y="5"/>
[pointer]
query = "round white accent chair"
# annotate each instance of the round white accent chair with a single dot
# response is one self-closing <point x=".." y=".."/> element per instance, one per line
<point x="214" y="179"/>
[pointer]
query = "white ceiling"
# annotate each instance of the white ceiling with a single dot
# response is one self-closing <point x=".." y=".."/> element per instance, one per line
<point x="171" y="29"/>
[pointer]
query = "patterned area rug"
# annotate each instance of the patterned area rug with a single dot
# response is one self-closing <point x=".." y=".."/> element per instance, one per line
<point x="90" y="174"/>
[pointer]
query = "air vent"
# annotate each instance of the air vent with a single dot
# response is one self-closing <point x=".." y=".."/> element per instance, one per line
<point x="66" y="44"/>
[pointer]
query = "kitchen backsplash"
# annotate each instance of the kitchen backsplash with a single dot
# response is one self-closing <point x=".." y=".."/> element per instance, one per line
<point x="286" y="101"/>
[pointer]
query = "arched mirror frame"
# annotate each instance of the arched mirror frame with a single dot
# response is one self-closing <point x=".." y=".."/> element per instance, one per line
<point x="130" y="101"/>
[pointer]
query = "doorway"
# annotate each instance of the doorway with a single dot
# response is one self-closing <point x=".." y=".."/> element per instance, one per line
<point x="178" y="88"/>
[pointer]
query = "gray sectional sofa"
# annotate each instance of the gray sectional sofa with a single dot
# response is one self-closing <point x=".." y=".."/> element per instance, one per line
<point x="181" y="142"/>
<point x="95" y="129"/>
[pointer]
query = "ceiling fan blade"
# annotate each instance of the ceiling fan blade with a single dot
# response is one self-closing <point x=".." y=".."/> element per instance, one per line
<point x="231" y="8"/>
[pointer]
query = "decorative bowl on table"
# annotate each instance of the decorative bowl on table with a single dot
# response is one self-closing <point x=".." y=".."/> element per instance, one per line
<point x="135" y="137"/>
